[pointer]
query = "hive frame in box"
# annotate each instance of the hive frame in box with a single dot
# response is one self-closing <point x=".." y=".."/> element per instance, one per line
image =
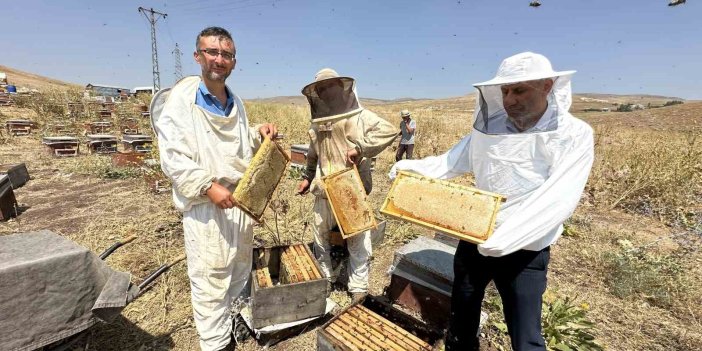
<point x="388" y="208"/>
<point x="327" y="182"/>
<point x="377" y="325"/>
<point x="285" y="302"/>
<point x="239" y="196"/>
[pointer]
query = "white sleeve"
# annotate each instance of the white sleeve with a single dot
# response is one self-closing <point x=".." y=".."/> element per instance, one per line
<point x="549" y="205"/>
<point x="176" y="152"/>
<point x="453" y="163"/>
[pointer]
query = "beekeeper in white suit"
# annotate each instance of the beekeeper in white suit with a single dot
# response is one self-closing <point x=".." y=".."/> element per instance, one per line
<point x="205" y="145"/>
<point x="342" y="133"/>
<point x="526" y="146"/>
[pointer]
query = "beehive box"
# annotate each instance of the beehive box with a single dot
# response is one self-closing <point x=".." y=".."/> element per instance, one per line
<point x="348" y="202"/>
<point x="298" y="154"/>
<point x="375" y="325"/>
<point x="18" y="127"/>
<point x="422" y="279"/>
<point x="287" y="285"/>
<point x="17" y="172"/>
<point x="62" y="146"/>
<point x="260" y="179"/>
<point x="8" y="203"/>
<point x="466" y="213"/>
<point x="102" y="143"/>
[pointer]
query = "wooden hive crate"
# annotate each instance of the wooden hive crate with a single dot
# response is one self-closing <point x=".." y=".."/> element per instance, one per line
<point x="62" y="146"/>
<point x="348" y="202"/>
<point x="287" y="285"/>
<point x="137" y="142"/>
<point x="17" y="172"/>
<point x="463" y="212"/>
<point x="19" y="127"/>
<point x="102" y="143"/>
<point x="374" y="325"/>
<point x="260" y="179"/>
<point x="422" y="279"/>
<point x="298" y="154"/>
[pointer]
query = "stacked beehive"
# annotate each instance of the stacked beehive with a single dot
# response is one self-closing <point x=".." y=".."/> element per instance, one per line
<point x="359" y="328"/>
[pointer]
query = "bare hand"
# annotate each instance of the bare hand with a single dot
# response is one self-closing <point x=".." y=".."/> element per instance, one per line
<point x="304" y="187"/>
<point x="220" y="196"/>
<point x="352" y="156"/>
<point x="268" y="130"/>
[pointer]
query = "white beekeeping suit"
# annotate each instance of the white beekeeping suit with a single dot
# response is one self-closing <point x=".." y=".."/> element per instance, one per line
<point x="340" y="123"/>
<point x="197" y="147"/>
<point x="542" y="171"/>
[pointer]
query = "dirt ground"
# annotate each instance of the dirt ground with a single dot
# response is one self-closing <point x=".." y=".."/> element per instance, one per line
<point x="71" y="198"/>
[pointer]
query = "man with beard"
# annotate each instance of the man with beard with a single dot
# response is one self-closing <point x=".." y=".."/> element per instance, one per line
<point x="526" y="146"/>
<point x="205" y="146"/>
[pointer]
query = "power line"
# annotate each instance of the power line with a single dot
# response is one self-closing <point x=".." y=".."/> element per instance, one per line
<point x="178" y="68"/>
<point x="154" y="52"/>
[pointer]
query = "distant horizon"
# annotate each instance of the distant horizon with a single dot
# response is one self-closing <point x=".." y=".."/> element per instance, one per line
<point x="653" y="95"/>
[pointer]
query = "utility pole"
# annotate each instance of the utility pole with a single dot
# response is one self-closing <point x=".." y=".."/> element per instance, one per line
<point x="154" y="54"/>
<point x="178" y="68"/>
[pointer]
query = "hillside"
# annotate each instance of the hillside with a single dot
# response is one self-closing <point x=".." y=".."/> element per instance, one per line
<point x="34" y="81"/>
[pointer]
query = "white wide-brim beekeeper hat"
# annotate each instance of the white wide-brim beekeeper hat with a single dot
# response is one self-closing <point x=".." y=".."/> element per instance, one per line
<point x="523" y="67"/>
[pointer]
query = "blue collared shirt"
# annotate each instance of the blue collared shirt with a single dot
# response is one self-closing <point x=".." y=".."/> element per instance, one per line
<point x="209" y="102"/>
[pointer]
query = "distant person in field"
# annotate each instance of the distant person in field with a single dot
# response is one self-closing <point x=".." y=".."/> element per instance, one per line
<point x="407" y="128"/>
<point x="526" y="146"/>
<point x="342" y="134"/>
<point x="205" y="145"/>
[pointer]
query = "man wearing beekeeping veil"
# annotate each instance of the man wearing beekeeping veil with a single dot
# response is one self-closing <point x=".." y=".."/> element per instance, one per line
<point x="342" y="134"/>
<point x="526" y="146"/>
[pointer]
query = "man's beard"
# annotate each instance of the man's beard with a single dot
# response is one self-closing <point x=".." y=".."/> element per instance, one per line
<point x="217" y="77"/>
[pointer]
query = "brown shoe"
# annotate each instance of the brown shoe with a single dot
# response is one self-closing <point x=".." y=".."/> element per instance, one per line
<point x="357" y="296"/>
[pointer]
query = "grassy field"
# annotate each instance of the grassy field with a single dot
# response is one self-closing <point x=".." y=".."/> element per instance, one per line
<point x="627" y="270"/>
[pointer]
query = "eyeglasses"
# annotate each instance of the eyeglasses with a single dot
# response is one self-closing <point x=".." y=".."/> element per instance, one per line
<point x="228" y="56"/>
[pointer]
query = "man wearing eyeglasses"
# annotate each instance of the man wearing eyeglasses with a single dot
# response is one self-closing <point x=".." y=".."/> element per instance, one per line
<point x="205" y="145"/>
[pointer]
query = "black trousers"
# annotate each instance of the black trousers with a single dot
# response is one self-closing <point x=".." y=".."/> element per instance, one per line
<point x="404" y="149"/>
<point x="520" y="278"/>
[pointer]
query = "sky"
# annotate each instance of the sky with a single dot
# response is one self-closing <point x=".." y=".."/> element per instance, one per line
<point x="394" y="49"/>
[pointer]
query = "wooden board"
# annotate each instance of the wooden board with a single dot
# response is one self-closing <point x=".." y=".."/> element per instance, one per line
<point x="463" y="212"/>
<point x="348" y="202"/>
<point x="260" y="179"/>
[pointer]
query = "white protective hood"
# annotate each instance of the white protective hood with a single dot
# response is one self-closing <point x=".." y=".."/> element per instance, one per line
<point x="541" y="173"/>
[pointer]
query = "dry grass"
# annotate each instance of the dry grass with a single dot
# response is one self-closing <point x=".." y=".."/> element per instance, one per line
<point x="646" y="179"/>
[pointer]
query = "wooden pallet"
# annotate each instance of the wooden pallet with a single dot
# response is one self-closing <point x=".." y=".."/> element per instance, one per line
<point x="358" y="328"/>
